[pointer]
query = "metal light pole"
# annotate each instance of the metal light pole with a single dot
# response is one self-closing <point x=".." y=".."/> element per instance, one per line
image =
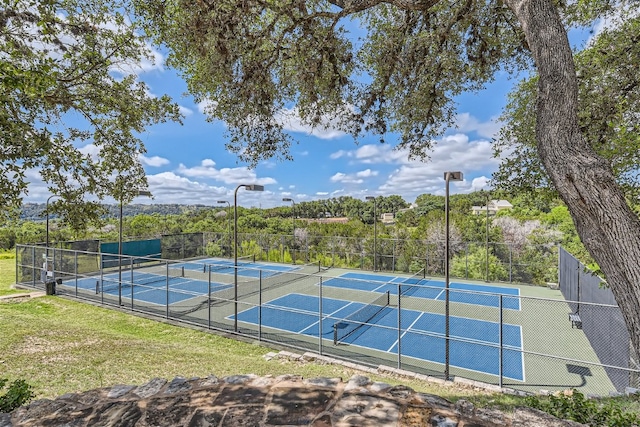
<point x="448" y="176"/>
<point x="487" y="238"/>
<point x="375" y="233"/>
<point x="248" y="187"/>
<point x="293" y="219"/>
<point x="46" y="250"/>
<point x="228" y="218"/>
<point x="138" y="193"/>
<point x="47" y="233"/>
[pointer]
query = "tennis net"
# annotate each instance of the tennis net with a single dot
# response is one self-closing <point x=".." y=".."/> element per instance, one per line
<point x="128" y="280"/>
<point x="228" y="265"/>
<point x="361" y="317"/>
<point x="411" y="284"/>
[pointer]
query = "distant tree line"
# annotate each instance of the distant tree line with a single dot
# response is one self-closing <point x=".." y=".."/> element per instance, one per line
<point x="532" y="221"/>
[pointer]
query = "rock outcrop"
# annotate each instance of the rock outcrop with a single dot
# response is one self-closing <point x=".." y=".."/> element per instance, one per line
<point x="249" y="400"/>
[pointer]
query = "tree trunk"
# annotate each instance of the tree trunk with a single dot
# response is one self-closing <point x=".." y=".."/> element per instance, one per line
<point x="607" y="226"/>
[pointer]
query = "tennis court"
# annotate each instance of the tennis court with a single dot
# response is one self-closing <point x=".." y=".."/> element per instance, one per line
<point x="247" y="266"/>
<point x="148" y="287"/>
<point x="419" y="287"/>
<point x="474" y="344"/>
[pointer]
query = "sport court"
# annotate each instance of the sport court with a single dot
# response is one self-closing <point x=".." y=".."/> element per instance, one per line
<point x="474" y="344"/>
<point x="418" y="287"/>
<point x="173" y="286"/>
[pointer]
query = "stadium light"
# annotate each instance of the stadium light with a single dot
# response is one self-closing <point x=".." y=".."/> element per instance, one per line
<point x="375" y="233"/>
<point x="293" y="219"/>
<point x="137" y="193"/>
<point x="248" y="187"/>
<point x="448" y="176"/>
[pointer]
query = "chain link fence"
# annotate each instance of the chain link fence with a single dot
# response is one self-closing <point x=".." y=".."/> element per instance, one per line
<point x="593" y="303"/>
<point x="491" y="262"/>
<point x="495" y="334"/>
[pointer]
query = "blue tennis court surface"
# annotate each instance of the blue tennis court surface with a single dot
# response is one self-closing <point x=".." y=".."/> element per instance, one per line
<point x="148" y="287"/>
<point x="466" y="293"/>
<point x="225" y="266"/>
<point x="474" y="343"/>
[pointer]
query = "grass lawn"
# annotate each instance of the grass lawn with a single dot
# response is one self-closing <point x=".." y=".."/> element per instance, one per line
<point x="60" y="346"/>
<point x="7" y="274"/>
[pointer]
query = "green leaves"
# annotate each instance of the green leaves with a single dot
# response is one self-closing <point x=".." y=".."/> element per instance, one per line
<point x="574" y="406"/>
<point x="609" y="95"/>
<point x="71" y="108"/>
<point x="17" y="394"/>
<point x="376" y="68"/>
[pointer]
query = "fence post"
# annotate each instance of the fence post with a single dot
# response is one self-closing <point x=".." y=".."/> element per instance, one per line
<point x="320" y="319"/>
<point x="167" y="281"/>
<point x="393" y="256"/>
<point x="510" y="264"/>
<point x="500" y="338"/>
<point x="259" y="305"/>
<point x="333" y="251"/>
<point x="282" y="243"/>
<point x="399" y="327"/>
<point x="101" y="279"/>
<point x="466" y="261"/>
<point x="209" y="298"/>
<point x="33" y="265"/>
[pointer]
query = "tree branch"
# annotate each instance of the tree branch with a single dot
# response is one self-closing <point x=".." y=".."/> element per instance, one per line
<point x="353" y="6"/>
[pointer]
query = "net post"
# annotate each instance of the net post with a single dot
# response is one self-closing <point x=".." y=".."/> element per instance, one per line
<point x="97" y="287"/>
<point x="335" y="333"/>
<point x="182" y="271"/>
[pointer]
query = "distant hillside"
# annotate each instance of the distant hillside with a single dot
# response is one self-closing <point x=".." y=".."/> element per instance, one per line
<point x="35" y="211"/>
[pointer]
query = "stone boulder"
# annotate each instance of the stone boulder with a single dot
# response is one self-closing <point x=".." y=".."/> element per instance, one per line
<point x="249" y="400"/>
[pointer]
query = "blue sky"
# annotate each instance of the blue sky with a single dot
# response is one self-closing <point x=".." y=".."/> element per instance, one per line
<point x="188" y="164"/>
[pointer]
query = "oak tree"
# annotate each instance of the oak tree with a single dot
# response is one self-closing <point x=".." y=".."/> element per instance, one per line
<point x="398" y="70"/>
<point x="71" y="106"/>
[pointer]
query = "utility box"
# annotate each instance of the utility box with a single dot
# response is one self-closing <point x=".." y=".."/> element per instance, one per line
<point x="50" y="285"/>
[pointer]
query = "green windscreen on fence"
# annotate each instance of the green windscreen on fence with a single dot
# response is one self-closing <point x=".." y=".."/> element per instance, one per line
<point x="142" y="248"/>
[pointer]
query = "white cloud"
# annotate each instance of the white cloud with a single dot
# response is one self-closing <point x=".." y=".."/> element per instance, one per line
<point x="207" y="106"/>
<point x="465" y="122"/>
<point x="291" y="121"/>
<point x="185" y="111"/>
<point x="451" y="153"/>
<point x="239" y="175"/>
<point x="366" y="173"/>
<point x="480" y="183"/>
<point x="338" y="154"/>
<point x="167" y="187"/>
<point x="353" y="178"/>
<point x="621" y="11"/>
<point x="153" y="161"/>
<point x="90" y="150"/>
<point x="379" y="153"/>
